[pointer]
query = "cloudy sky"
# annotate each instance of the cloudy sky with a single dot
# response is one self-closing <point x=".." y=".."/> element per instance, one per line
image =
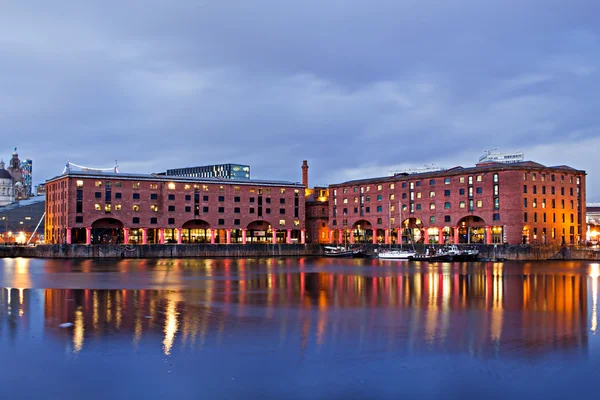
<point x="358" y="88"/>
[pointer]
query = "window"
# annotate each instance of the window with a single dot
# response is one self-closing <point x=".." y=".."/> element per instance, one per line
<point x="461" y="192"/>
<point x="282" y="201"/>
<point x="221" y="222"/>
<point x="418" y="183"/>
<point x="205" y="188"/>
<point x="392" y="197"/>
<point x="496" y="203"/>
<point x="205" y="198"/>
<point x="153" y="186"/>
<point x="188" y="209"/>
<point x="98" y="195"/>
<point x="205" y="209"/>
<point x="419" y="195"/>
<point x="379" y="221"/>
<point x="447" y="205"/>
<point x="432" y="219"/>
<point x="446" y="181"/>
<point x="392" y="186"/>
<point x="379" y="208"/>
<point x="479" y="203"/>
<point x="368" y="198"/>
<point x="135" y="185"/>
<point x="236" y="199"/>
<point x="135" y="220"/>
<point x="153" y="220"/>
<point x="379" y="187"/>
<point x="446" y="193"/>
<point x="282" y="190"/>
<point x="268" y="210"/>
<point x="118" y="207"/>
<point x="432" y="182"/>
<point x="461" y="179"/>
<point x="479" y="190"/>
<point x="479" y="178"/>
<point x="404" y="185"/>
<point x="79" y="219"/>
<point x="171" y="221"/>
<point x="496" y="190"/>
<point x="171" y="208"/>
<point x="534" y="189"/>
<point x="136" y="196"/>
<point x="418" y="206"/>
<point x="432" y="194"/>
<point x="496" y="217"/>
<point x="525" y="203"/>
<point x="447" y="218"/>
<point x="543" y="189"/>
<point x="251" y="210"/>
<point x="171" y="197"/>
<point x="135" y="208"/>
<point x="154" y="207"/>
<point x="221" y="210"/>
<point x="79" y="184"/>
<point x="495" y="178"/>
<point x="432" y="206"/>
<point x="462" y="204"/>
<point x="222" y="189"/>
<point x="236" y="222"/>
<point x="117" y="195"/>
<point x="98" y="183"/>
<point x="368" y="209"/>
<point x="524" y="217"/>
<point x="525" y="189"/>
<point x="470" y="191"/>
<point x="470" y="180"/>
<point x="534" y="217"/>
<point x="221" y="198"/>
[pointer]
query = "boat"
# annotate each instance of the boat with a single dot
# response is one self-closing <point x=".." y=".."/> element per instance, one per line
<point x="342" y="252"/>
<point x="396" y="254"/>
<point x="445" y="253"/>
<point x="468" y="255"/>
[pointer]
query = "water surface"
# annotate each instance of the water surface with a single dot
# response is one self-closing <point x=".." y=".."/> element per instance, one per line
<point x="297" y="329"/>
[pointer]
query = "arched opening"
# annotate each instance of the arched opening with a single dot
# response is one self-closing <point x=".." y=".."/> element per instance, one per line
<point x="362" y="232"/>
<point x="471" y="229"/>
<point x="412" y="230"/>
<point x="107" y="231"/>
<point x="78" y="235"/>
<point x="196" y="231"/>
<point x="259" y="232"/>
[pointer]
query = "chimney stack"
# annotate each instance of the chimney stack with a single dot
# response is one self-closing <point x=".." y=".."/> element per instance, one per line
<point x="305" y="173"/>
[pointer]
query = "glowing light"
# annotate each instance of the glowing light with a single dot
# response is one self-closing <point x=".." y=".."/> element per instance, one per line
<point x="78" y="331"/>
<point x="594" y="274"/>
<point x="170" y="327"/>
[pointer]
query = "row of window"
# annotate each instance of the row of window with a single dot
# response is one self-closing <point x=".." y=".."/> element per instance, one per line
<point x="534" y="203"/>
<point x="171" y="197"/>
<point x="552" y="190"/>
<point x="432" y="194"/>
<point x="173" y="186"/>
<point x="552" y="177"/>
<point x="432" y="206"/>
<point x="432" y="219"/>
<point x="205" y="209"/>
<point x="544" y="219"/>
<point x="411" y="185"/>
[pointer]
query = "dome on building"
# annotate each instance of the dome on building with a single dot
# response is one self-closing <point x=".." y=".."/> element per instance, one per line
<point x="4" y="174"/>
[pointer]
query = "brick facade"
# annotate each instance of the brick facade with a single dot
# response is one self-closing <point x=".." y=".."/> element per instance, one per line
<point x="484" y="204"/>
<point x="86" y="207"/>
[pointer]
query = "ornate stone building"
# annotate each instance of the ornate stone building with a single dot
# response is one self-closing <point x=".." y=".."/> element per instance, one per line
<point x="13" y="178"/>
<point x="7" y="195"/>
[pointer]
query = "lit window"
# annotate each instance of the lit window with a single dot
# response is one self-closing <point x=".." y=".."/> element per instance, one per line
<point x="136" y="185"/>
<point x="98" y="183"/>
<point x="171" y="186"/>
<point x="135" y="208"/>
<point x="392" y="196"/>
<point x="154" y="207"/>
<point x="461" y="179"/>
<point x="107" y="208"/>
<point x="462" y="204"/>
<point x="186" y="187"/>
<point x="392" y="186"/>
<point x="154" y="186"/>
<point x="296" y="222"/>
<point x="419" y="195"/>
<point x="97" y="207"/>
<point x="379" y="187"/>
<point x="79" y="184"/>
<point x="432" y="206"/>
<point x="432" y="194"/>
<point x="282" y="222"/>
<point x="479" y="178"/>
<point x="221" y="188"/>
<point x="479" y="203"/>
<point x="446" y="181"/>
<point x="205" y="188"/>
<point x="282" y="190"/>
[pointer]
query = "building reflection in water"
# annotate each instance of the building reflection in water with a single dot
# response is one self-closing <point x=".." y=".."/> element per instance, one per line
<point x="482" y="309"/>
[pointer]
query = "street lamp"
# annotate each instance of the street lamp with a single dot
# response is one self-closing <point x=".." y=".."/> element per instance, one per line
<point x="5" y="218"/>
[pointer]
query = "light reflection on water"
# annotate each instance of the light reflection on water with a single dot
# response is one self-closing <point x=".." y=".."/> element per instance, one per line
<point x="332" y="310"/>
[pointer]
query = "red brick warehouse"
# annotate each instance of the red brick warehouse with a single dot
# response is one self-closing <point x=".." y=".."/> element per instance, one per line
<point x="523" y="202"/>
<point x="108" y="207"/>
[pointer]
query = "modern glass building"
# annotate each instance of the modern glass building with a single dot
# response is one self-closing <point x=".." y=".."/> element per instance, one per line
<point x="225" y="171"/>
<point x="27" y="168"/>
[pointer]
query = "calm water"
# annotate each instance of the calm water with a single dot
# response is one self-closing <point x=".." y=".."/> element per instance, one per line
<point x="297" y="329"/>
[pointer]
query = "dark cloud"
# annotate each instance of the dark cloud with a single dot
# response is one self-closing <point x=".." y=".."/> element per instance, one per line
<point x="357" y="88"/>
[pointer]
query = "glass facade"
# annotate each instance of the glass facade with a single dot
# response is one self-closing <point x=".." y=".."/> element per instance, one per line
<point x="225" y="171"/>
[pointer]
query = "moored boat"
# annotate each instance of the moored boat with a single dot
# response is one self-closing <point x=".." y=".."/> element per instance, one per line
<point x="396" y="254"/>
<point x="342" y="252"/>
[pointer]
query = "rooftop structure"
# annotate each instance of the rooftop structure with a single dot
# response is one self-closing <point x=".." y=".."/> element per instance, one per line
<point x="505" y="158"/>
<point x="225" y="171"/>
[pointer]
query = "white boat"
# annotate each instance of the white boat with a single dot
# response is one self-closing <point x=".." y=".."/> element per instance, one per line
<point x="396" y="254"/>
<point x="339" y="251"/>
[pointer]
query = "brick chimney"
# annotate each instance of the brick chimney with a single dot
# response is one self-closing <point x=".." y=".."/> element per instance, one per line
<point x="305" y="173"/>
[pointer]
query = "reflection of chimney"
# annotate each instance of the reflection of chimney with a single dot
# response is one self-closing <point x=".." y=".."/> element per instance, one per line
<point x="305" y="173"/>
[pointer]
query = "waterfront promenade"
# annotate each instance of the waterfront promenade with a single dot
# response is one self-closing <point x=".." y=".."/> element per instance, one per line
<point x="487" y="252"/>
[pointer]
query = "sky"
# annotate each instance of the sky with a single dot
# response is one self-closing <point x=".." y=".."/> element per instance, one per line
<point x="358" y="88"/>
